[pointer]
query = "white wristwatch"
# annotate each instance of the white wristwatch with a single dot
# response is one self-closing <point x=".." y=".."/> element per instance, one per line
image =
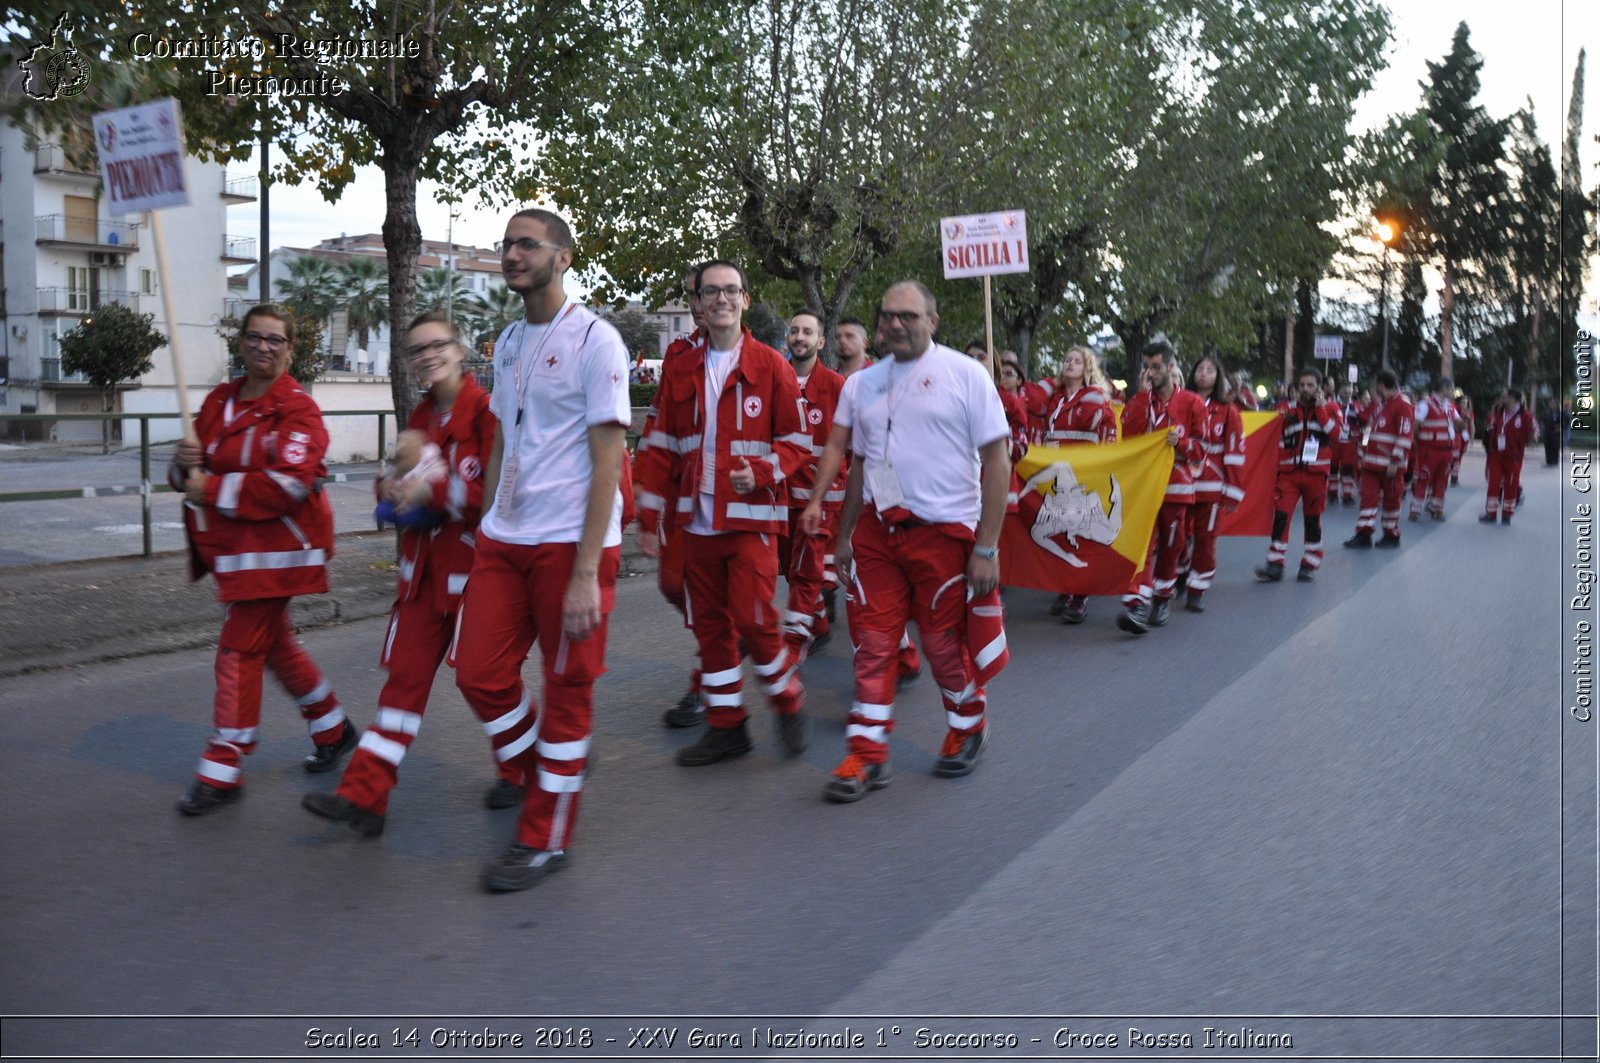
<point x="988" y="553"/>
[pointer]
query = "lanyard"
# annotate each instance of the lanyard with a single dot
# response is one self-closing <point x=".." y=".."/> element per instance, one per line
<point x="567" y="307"/>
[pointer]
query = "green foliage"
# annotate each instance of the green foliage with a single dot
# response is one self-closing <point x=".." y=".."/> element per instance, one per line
<point x="364" y="295"/>
<point x="641" y="395"/>
<point x="112" y="346"/>
<point x="639" y="334"/>
<point x="307" y="344"/>
<point x="312" y="288"/>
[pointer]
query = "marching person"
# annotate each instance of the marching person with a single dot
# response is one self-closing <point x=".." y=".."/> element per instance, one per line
<point x="438" y="518"/>
<point x="802" y="556"/>
<point x="1163" y="406"/>
<point x="1509" y="431"/>
<point x="1305" y="449"/>
<point x="1437" y="424"/>
<point x="690" y="711"/>
<point x="852" y="336"/>
<point x="1342" y="479"/>
<point x="1080" y="414"/>
<point x="1468" y="428"/>
<point x="549" y="545"/>
<point x="1383" y="462"/>
<point x="930" y="438"/>
<point x="731" y="437"/>
<point x="257" y="520"/>
<point x="1219" y="486"/>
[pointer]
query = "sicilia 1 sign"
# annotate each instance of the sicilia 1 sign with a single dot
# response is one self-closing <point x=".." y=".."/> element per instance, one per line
<point x="978" y="245"/>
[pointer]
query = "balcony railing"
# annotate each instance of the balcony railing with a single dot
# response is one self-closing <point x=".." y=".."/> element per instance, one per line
<point x="86" y="232"/>
<point x="239" y="189"/>
<point x="50" y="373"/>
<point x="234" y="306"/>
<point x="239" y="248"/>
<point x="81" y="301"/>
<point x="52" y="158"/>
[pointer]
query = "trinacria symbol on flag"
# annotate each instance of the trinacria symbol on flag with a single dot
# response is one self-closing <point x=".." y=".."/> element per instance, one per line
<point x="1070" y="511"/>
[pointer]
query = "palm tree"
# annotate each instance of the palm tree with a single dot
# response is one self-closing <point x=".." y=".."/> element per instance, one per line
<point x="364" y="295"/>
<point x="441" y="288"/>
<point x="312" y="288"/>
<point x="497" y="308"/>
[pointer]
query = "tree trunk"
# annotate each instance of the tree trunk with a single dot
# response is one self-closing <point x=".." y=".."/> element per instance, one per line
<point x="1447" y="304"/>
<point x="108" y="402"/>
<point x="402" y="242"/>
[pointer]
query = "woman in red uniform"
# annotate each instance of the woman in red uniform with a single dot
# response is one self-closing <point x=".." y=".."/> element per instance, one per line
<point x="438" y="516"/>
<point x="1219" y="488"/>
<point x="258" y="522"/>
<point x="1080" y="414"/>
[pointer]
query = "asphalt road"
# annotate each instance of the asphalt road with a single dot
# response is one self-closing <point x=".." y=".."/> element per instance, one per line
<point x="1313" y="807"/>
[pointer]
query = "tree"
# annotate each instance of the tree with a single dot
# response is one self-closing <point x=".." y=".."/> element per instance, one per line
<point x="1464" y="211"/>
<point x="364" y="296"/>
<point x="312" y="288"/>
<point x="110" y="347"/>
<point x="639" y="335"/>
<point x="1577" y="216"/>
<point x="805" y="137"/>
<point x="412" y="109"/>
<point x="494" y="310"/>
<point x="307" y="357"/>
<point x="442" y="287"/>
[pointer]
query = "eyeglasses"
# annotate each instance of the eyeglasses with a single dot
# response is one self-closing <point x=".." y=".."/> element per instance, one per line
<point x="271" y="343"/>
<point x="904" y="317"/>
<point x="526" y="245"/>
<point x="712" y="294"/>
<point x="437" y="346"/>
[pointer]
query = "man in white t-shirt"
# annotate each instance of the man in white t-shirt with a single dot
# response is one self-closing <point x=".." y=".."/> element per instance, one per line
<point x="549" y="547"/>
<point x="921" y="523"/>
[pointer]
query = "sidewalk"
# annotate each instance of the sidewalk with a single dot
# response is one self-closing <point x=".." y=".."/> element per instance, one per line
<point x="79" y="612"/>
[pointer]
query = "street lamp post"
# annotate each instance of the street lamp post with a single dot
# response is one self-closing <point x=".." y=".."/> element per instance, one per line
<point x="1386" y="233"/>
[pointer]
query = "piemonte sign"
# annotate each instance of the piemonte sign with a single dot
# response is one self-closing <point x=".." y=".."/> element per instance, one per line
<point x="141" y="157"/>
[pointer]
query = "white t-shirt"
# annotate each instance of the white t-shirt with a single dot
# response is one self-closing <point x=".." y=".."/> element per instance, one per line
<point x="929" y="417"/>
<point x="718" y="365"/>
<point x="561" y="379"/>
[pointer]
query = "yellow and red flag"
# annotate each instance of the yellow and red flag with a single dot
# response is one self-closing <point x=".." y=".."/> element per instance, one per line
<point x="1254" y="515"/>
<point x="1084" y="515"/>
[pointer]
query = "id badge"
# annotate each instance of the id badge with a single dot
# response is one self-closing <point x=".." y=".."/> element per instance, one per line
<point x="1309" y="451"/>
<point x="885" y="484"/>
<point x="506" y="491"/>
<point x="1501" y="441"/>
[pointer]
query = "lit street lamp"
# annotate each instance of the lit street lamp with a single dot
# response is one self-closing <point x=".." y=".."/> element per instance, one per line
<point x="1386" y="233"/>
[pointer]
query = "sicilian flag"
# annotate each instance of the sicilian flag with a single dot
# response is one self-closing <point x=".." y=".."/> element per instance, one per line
<point x="1085" y="515"/>
<point x="1254" y="515"/>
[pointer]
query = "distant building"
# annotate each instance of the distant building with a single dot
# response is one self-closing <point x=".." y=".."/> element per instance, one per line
<point x="62" y="255"/>
<point x="479" y="267"/>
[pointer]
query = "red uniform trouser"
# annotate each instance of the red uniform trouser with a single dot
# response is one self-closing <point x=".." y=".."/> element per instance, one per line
<point x="801" y="558"/>
<point x="415" y="643"/>
<point x="1309" y="486"/>
<point x="1505" y="480"/>
<point x="1432" y="478"/>
<point x="1342" y="479"/>
<point x="257" y="635"/>
<point x="1167" y="542"/>
<point x="514" y="599"/>
<point x="1203" y="517"/>
<point x="902" y="574"/>
<point x="669" y="577"/>
<point x="731" y="580"/>
<point x="1380" y="492"/>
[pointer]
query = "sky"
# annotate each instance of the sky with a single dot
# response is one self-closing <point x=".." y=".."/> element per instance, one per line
<point x="1529" y="48"/>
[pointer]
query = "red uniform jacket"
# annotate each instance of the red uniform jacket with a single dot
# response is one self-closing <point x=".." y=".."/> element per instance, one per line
<point x="269" y="529"/>
<point x="1222" y="474"/>
<point x="1508" y="434"/>
<point x="1185" y="411"/>
<point x="819" y="397"/>
<point x="1038" y="396"/>
<point x="1082" y="417"/>
<point x="466" y="442"/>
<point x="1436" y="423"/>
<point x="758" y="420"/>
<point x="1303" y="426"/>
<point x="692" y="343"/>
<point x="1352" y="420"/>
<point x="1389" y="434"/>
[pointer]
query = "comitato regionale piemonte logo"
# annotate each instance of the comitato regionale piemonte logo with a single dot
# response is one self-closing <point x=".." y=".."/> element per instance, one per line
<point x="54" y="69"/>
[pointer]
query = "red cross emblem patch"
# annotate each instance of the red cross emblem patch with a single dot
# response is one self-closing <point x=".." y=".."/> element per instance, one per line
<point x="752" y="406"/>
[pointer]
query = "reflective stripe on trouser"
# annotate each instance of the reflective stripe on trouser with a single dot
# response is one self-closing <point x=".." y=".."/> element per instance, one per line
<point x="1379" y="494"/>
<point x="514" y="600"/>
<point x="1505" y="480"/>
<point x="915" y="573"/>
<point x="1432" y="478"/>
<point x="669" y="578"/>
<point x="1159" y="576"/>
<point x="804" y="619"/>
<point x="731" y="581"/>
<point x="257" y="636"/>
<point x="1203" y="526"/>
